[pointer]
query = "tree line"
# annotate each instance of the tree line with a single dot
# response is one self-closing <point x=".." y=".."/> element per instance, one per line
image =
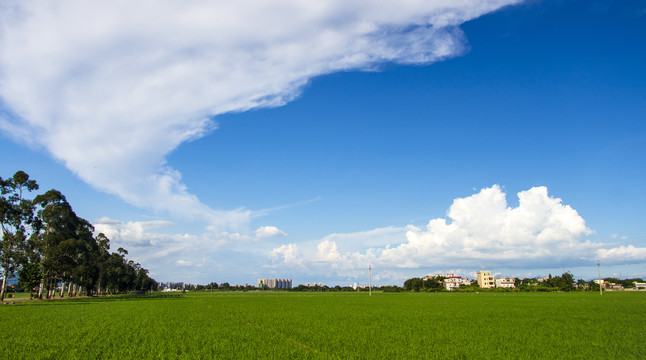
<point x="48" y="247"/>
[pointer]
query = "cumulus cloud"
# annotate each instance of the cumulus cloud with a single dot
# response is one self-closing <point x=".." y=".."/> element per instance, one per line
<point x="110" y="88"/>
<point x="481" y="230"/>
<point x="328" y="251"/>
<point x="288" y="254"/>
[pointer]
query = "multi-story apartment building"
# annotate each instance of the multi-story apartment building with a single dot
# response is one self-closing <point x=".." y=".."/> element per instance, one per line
<point x="275" y="283"/>
<point x="485" y="280"/>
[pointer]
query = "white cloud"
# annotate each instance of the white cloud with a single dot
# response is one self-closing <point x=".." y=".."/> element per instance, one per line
<point x="621" y="254"/>
<point x="483" y="228"/>
<point x="480" y="231"/>
<point x="188" y="257"/>
<point x="328" y="251"/>
<point x="288" y="254"/>
<point x="268" y="232"/>
<point x="130" y="233"/>
<point x="184" y="263"/>
<point x="110" y="88"/>
<point x="360" y="240"/>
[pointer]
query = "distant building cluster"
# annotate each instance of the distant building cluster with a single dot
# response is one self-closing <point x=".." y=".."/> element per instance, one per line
<point x="488" y="281"/>
<point x="613" y="286"/>
<point x="484" y="279"/>
<point x="275" y="283"/>
<point x="452" y="281"/>
<point x="170" y="286"/>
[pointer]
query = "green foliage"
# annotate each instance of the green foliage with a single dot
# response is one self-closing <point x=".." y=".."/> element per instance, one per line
<point x="413" y="284"/>
<point x="47" y="243"/>
<point x="433" y="284"/>
<point x="16" y="216"/>
<point x="29" y="276"/>
<point x="285" y="325"/>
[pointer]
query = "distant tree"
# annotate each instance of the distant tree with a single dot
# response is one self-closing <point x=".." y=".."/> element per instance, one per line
<point x="29" y="277"/>
<point x="432" y="283"/>
<point x="102" y="258"/>
<point x="566" y="282"/>
<point x="414" y="284"/>
<point x="517" y="283"/>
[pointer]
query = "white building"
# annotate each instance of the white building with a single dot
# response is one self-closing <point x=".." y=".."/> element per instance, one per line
<point x="275" y="283"/>
<point x="506" y="282"/>
<point x="453" y="282"/>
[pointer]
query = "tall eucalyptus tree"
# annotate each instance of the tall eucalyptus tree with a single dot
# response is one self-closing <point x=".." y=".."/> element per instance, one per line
<point x="16" y="214"/>
<point x="56" y="238"/>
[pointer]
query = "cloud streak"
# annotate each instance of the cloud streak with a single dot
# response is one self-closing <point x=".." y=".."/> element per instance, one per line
<point x="111" y="88"/>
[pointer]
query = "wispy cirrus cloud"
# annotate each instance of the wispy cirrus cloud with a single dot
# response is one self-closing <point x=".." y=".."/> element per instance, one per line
<point x="111" y="88"/>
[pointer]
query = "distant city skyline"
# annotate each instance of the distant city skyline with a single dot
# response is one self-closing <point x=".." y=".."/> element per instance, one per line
<point x="309" y="141"/>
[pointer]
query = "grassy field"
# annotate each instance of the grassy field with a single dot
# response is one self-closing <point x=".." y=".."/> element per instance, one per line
<point x="331" y="326"/>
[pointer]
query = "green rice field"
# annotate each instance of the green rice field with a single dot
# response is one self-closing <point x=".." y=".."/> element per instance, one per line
<point x="269" y="325"/>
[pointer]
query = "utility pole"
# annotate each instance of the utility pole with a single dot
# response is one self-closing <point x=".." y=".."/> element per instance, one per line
<point x="370" y="279"/>
<point x="600" y="283"/>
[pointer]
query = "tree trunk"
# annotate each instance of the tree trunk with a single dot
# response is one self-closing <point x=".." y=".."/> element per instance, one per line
<point x="62" y="288"/>
<point x="40" y="288"/>
<point x="4" y="284"/>
<point x="69" y="289"/>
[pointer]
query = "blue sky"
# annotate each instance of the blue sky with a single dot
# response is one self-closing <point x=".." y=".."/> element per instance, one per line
<point x="393" y="146"/>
